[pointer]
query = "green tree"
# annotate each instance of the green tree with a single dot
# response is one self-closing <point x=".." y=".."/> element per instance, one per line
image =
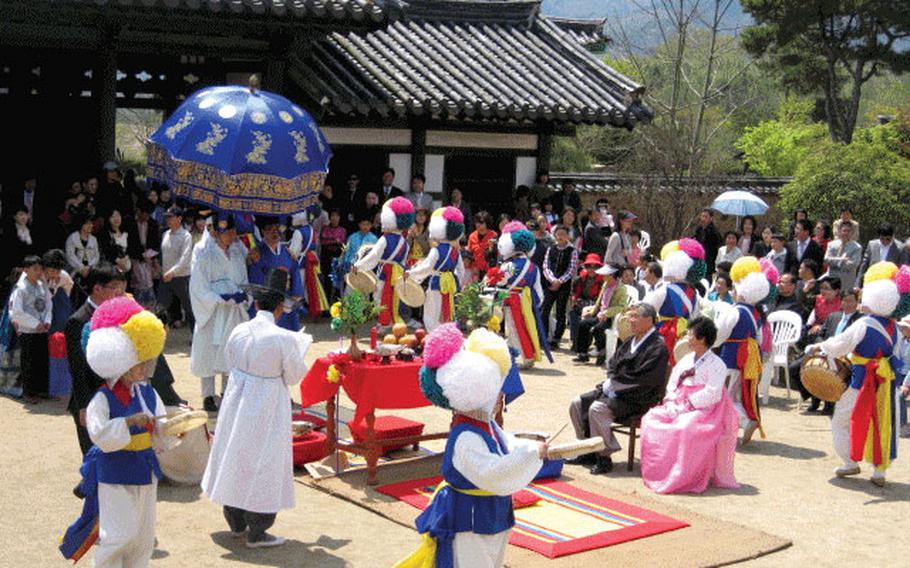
<point x="832" y="47"/>
<point x="777" y="147"/>
<point x="871" y="175"/>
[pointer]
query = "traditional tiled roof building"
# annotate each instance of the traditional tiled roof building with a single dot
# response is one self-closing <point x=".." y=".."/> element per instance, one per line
<point x="468" y="91"/>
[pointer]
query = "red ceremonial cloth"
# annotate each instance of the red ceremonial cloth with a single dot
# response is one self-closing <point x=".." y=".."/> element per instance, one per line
<point x="370" y="385"/>
<point x="564" y="519"/>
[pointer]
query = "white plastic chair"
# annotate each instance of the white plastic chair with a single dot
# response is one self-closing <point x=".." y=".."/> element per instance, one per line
<point x="785" y="330"/>
<point x="645" y="241"/>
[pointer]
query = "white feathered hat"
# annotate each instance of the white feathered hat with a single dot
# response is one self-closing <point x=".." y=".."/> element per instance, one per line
<point x="121" y="335"/>
<point x="464" y="375"/>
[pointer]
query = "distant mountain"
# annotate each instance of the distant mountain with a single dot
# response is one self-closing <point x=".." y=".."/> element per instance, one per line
<point x="626" y="12"/>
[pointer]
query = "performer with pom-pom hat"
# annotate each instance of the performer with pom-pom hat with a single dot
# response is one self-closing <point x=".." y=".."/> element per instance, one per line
<point x="303" y="247"/>
<point x="468" y="520"/>
<point x="864" y="426"/>
<point x="739" y="334"/>
<point x="390" y="253"/>
<point x="676" y="302"/>
<point x="443" y="265"/>
<point x="520" y="277"/>
<point x="120" y="472"/>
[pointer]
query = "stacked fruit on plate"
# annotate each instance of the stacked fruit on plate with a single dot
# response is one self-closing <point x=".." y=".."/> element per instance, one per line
<point x="412" y="343"/>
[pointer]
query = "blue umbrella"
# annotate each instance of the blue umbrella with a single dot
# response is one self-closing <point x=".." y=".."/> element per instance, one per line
<point x="739" y="203"/>
<point x="241" y="149"/>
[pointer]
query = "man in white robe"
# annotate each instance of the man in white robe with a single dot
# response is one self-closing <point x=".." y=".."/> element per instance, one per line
<point x="219" y="270"/>
<point x="250" y="470"/>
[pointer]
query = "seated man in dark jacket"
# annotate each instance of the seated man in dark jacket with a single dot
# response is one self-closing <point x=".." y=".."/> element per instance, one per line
<point x="636" y="381"/>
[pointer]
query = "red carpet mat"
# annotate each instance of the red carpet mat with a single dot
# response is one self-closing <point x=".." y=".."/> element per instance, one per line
<point x="564" y="521"/>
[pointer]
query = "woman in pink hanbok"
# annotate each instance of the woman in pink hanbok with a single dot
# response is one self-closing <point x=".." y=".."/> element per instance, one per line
<point x="690" y="439"/>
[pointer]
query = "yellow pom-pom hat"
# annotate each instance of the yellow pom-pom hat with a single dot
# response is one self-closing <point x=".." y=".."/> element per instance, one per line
<point x="122" y="335"/>
<point x="751" y="284"/>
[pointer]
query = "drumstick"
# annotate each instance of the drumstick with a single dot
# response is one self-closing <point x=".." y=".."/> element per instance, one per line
<point x="558" y="432"/>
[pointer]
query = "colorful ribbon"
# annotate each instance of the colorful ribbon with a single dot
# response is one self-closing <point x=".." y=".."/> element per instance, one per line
<point x="870" y="424"/>
<point x="391" y="273"/>
<point x="315" y="295"/>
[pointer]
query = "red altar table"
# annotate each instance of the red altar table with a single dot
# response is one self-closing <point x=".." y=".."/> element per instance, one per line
<point x="371" y="385"/>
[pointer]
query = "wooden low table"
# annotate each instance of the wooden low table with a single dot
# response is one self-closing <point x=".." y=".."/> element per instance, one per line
<point x="371" y="385"/>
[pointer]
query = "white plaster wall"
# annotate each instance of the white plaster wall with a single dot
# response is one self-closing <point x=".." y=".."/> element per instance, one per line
<point x="525" y="170"/>
<point x="401" y="163"/>
<point x="368" y="136"/>
<point x="434" y="170"/>
<point x="453" y="139"/>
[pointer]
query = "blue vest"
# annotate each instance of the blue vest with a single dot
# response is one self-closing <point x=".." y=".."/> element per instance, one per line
<point x="447" y="261"/>
<point x="743" y="329"/>
<point x="128" y="467"/>
<point x="391" y="243"/>
<point x="673" y="305"/>
<point x="873" y="345"/>
<point x="467" y="513"/>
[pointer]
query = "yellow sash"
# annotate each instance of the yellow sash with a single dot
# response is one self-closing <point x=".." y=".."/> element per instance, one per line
<point x="682" y="324"/>
<point x="139" y="442"/>
<point x="397" y="273"/>
<point x="882" y="407"/>
<point x="425" y="555"/>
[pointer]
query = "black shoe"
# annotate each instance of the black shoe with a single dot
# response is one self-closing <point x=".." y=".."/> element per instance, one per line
<point x="209" y="404"/>
<point x="580" y="358"/>
<point x="584" y="459"/>
<point x="77" y="491"/>
<point x="828" y="409"/>
<point x="604" y="465"/>
<point x="554" y="345"/>
<point x="601" y="359"/>
<point x="813" y="406"/>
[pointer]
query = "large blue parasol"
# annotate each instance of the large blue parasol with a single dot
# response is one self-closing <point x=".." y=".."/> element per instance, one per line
<point x="241" y="149"/>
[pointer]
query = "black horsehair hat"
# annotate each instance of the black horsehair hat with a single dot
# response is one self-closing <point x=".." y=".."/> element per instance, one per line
<point x="276" y="285"/>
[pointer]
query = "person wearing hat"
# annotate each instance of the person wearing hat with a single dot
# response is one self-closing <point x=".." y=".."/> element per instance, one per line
<point x="676" y="302"/>
<point x="31" y="312"/>
<point x="389" y="254"/>
<point x="585" y="292"/>
<point x="120" y="472"/>
<point x="176" y="260"/>
<point x="219" y="305"/>
<point x="863" y="426"/>
<point x="303" y="246"/>
<point x="469" y="517"/>
<point x="619" y="245"/>
<point x="739" y="336"/>
<point x="443" y="265"/>
<point x="598" y="317"/>
<point x="520" y="277"/>
<point x="250" y="471"/>
<point x="271" y="254"/>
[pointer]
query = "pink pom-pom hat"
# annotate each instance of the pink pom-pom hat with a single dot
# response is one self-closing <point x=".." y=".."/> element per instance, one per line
<point x="692" y="248"/>
<point x="115" y="312"/>
<point x="441" y="345"/>
<point x="902" y="279"/>
<point x="513" y="226"/>
<point x="453" y="214"/>
<point x="400" y="205"/>
<point x="769" y="270"/>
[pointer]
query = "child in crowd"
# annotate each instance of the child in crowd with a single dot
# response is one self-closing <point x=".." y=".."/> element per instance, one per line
<point x="331" y="243"/>
<point x="31" y="311"/>
<point x="363" y="236"/>
<point x="120" y="472"/>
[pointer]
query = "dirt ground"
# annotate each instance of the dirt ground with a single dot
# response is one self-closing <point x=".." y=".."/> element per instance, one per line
<point x="788" y="489"/>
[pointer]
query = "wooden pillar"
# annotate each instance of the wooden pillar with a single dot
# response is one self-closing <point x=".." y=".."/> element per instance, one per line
<point x="105" y="83"/>
<point x="544" y="149"/>
<point x="277" y="64"/>
<point x="418" y="150"/>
